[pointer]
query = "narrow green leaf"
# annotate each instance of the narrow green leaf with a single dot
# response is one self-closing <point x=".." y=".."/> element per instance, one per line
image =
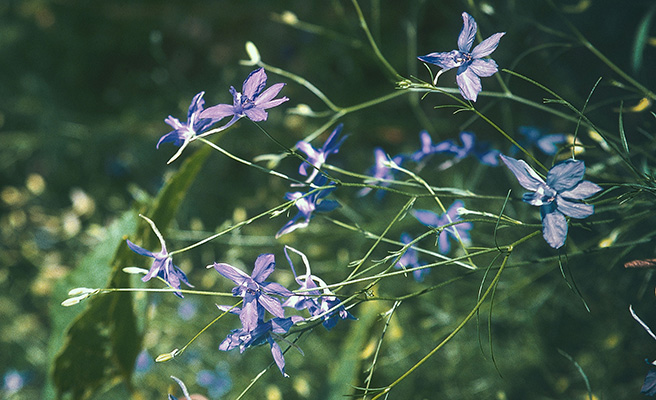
<point x="103" y="341"/>
<point x="625" y="144"/>
<point x="642" y="34"/>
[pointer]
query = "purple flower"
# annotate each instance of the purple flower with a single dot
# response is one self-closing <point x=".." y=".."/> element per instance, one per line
<point x="428" y="148"/>
<point x="471" y="64"/>
<point x="317" y="157"/>
<point x="533" y="136"/>
<point x="307" y="205"/>
<point x="410" y="259"/>
<point x="458" y="232"/>
<point x="251" y="102"/>
<point x="255" y="291"/>
<point x="322" y="303"/>
<point x="471" y="147"/>
<point x="184" y="132"/>
<point x="381" y="172"/>
<point x="163" y="266"/>
<point x="261" y="333"/>
<point x="557" y="197"/>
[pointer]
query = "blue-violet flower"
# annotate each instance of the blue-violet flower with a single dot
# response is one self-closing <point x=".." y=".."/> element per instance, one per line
<point x="459" y="231"/>
<point x="557" y="197"/>
<point x="255" y="291"/>
<point x="410" y="259"/>
<point x="307" y="205"/>
<point x="317" y="157"/>
<point x="470" y="63"/>
<point x="163" y="266"/>
<point x="251" y="102"/>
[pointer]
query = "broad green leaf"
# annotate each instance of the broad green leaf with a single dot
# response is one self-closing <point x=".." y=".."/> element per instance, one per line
<point x="102" y="343"/>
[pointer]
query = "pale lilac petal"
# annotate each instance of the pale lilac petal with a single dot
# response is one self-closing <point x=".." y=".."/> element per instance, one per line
<point x="272" y="305"/>
<point x="292" y="225"/>
<point x="468" y="140"/>
<point x="487" y="46"/>
<point x="276" y="288"/>
<point x="443" y="242"/>
<point x="249" y="313"/>
<point x="269" y="94"/>
<point x="174" y="122"/>
<point x="446" y="60"/>
<point x="427" y="218"/>
<point x="527" y="177"/>
<point x="581" y="191"/>
<point x="469" y="83"/>
<point x="254" y="83"/>
<point x="554" y="229"/>
<point x="264" y="266"/>
<point x="256" y="114"/>
<point x="278" y="357"/>
<point x="565" y="175"/>
<point x="467" y="34"/>
<point x="218" y="111"/>
<point x="234" y="274"/>
<point x="574" y="210"/>
<point x="484" y="67"/>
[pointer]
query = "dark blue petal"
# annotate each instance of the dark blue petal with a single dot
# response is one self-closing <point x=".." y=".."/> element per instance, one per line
<point x="446" y="60"/>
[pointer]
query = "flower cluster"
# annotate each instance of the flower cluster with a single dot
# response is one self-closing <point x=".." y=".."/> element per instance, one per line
<point x="457" y="231"/>
<point x="251" y="102"/>
<point x="260" y="296"/>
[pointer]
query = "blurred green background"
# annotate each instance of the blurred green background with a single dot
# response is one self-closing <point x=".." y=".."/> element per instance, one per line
<point x="85" y="87"/>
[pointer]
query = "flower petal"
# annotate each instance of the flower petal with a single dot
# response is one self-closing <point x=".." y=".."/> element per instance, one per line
<point x="428" y="218"/>
<point x="581" y="191"/>
<point x="574" y="210"/>
<point x="276" y="288"/>
<point x="272" y="305"/>
<point x="234" y="274"/>
<point x="484" y="67"/>
<point x="269" y="94"/>
<point x="469" y="83"/>
<point x="487" y="46"/>
<point x="445" y="60"/>
<point x="264" y="266"/>
<point x="254" y="83"/>
<point x="554" y="228"/>
<point x="218" y="111"/>
<point x="140" y="250"/>
<point x="256" y="114"/>
<point x="565" y="175"/>
<point x="527" y="177"/>
<point x="278" y="357"/>
<point x="467" y="34"/>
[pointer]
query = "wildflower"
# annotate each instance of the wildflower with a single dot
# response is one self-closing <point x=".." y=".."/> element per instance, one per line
<point x="557" y="197"/>
<point x="307" y="205"/>
<point x="251" y="102"/>
<point x="428" y="148"/>
<point x="317" y="157"/>
<point x="471" y="147"/>
<point x="255" y="291"/>
<point x="322" y="303"/>
<point x="262" y="332"/>
<point x="471" y="64"/>
<point x="410" y="259"/>
<point x="459" y="231"/>
<point x="382" y="172"/>
<point x="533" y="136"/>
<point x="186" y="131"/>
<point x="163" y="266"/>
<point x="183" y="133"/>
